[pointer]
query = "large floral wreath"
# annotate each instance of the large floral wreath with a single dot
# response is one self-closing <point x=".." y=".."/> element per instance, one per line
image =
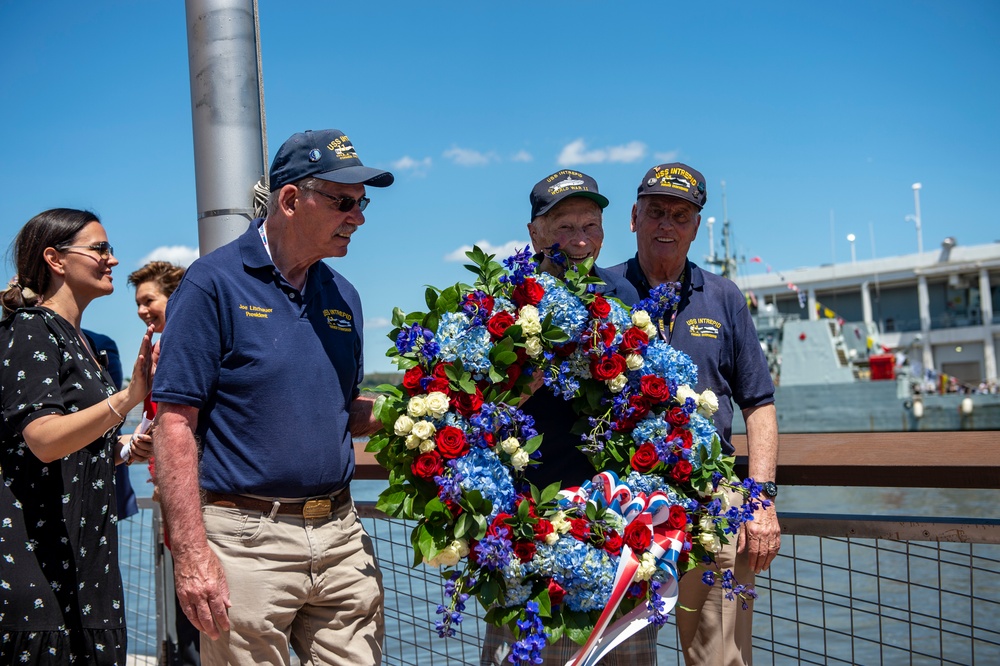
<point x="553" y="562"/>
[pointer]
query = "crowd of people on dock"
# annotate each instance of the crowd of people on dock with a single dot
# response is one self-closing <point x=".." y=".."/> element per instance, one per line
<point x="253" y="457"/>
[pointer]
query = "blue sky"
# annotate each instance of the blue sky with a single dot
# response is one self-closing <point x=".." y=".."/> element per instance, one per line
<point x="818" y="116"/>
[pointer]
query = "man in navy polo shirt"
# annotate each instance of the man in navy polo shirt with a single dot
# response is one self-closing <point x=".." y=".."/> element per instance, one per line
<point x="257" y="386"/>
<point x="713" y="326"/>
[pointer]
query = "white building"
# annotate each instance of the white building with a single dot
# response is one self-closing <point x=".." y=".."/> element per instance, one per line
<point x="941" y="307"/>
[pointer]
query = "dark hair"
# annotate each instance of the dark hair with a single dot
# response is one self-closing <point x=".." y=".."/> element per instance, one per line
<point x="163" y="273"/>
<point x="51" y="228"/>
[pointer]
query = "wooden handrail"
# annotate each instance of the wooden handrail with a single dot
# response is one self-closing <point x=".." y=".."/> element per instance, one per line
<point x="965" y="459"/>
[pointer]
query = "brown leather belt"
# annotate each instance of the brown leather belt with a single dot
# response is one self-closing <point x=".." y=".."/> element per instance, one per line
<point x="317" y="507"/>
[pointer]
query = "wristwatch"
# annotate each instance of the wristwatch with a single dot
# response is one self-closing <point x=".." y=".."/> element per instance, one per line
<point x="770" y="489"/>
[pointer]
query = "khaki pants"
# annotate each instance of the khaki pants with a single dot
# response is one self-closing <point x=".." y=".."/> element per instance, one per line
<point x="716" y="632"/>
<point x="309" y="583"/>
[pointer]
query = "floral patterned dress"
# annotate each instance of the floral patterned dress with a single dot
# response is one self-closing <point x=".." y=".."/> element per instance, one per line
<point x="61" y="598"/>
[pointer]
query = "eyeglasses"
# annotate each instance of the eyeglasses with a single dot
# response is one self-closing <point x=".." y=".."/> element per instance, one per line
<point x="103" y="249"/>
<point x="344" y="204"/>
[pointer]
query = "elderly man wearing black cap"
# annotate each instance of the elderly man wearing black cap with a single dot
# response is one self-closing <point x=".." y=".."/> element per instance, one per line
<point x="258" y="397"/>
<point x="566" y="228"/>
<point x="712" y="324"/>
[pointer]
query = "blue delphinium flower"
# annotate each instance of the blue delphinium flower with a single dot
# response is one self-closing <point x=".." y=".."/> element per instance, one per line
<point x="417" y="338"/>
<point x="521" y="265"/>
<point x="456" y="605"/>
<point x="482" y="470"/>
<point x="533" y="637"/>
<point x="663" y="298"/>
<point x="494" y="552"/>
<point x="656" y="604"/>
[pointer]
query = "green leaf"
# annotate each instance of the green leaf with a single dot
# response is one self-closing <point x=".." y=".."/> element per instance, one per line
<point x="550" y="492"/>
<point x="431" y="297"/>
<point x="532" y="444"/>
<point x="398" y="317"/>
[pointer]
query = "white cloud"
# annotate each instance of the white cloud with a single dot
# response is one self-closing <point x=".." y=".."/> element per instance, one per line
<point x="377" y="322"/>
<point x="501" y="251"/>
<point x="576" y="152"/>
<point x="181" y="255"/>
<point x="522" y="156"/>
<point x="669" y="156"/>
<point x="407" y="163"/>
<point x="468" y="157"/>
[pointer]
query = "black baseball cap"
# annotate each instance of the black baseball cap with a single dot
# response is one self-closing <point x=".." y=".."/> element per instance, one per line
<point x="676" y="180"/>
<point x="325" y="154"/>
<point x="560" y="185"/>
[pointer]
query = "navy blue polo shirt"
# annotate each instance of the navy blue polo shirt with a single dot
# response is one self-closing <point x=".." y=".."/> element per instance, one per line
<point x="271" y="370"/>
<point x="714" y="327"/>
<point x="561" y="459"/>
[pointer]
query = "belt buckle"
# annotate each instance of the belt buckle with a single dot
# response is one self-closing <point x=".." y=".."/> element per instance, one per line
<point x="317" y="508"/>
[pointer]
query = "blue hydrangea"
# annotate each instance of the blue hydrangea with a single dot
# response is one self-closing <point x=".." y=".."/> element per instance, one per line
<point x="671" y="364"/>
<point x="459" y="339"/>
<point x="586" y="573"/>
<point x="482" y="470"/>
<point x="651" y="429"/>
<point x="568" y="312"/>
<point x="620" y="317"/>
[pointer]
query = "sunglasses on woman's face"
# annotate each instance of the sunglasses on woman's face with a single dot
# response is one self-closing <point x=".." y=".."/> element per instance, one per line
<point x="103" y="249"/>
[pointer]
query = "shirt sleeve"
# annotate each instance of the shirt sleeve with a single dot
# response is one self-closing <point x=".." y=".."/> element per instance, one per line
<point x="190" y="347"/>
<point x="31" y="371"/>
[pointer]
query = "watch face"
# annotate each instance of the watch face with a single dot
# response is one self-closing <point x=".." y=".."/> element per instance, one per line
<point x="770" y="489"/>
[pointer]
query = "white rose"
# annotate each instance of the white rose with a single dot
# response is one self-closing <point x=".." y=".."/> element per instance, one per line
<point x="510" y="445"/>
<point x="528" y="320"/>
<point x="533" y="347"/>
<point x="616" y="384"/>
<point x="723" y="498"/>
<point x="707" y="524"/>
<point x="710" y="542"/>
<point x="412" y="441"/>
<point x="559" y="523"/>
<point x="551" y="538"/>
<point x="520" y="459"/>
<point x="437" y="404"/>
<point x="708" y="403"/>
<point x="450" y="556"/>
<point x="647" y="567"/>
<point x="461" y="546"/>
<point x="640" y="319"/>
<point x="424" y="429"/>
<point x="403" y="425"/>
<point x="634" y="361"/>
<point x="417" y="406"/>
<point x="684" y="392"/>
<point x="651" y="331"/>
<point x="427" y="445"/>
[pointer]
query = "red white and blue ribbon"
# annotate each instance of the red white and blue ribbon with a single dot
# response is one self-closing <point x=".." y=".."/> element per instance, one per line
<point x="651" y="510"/>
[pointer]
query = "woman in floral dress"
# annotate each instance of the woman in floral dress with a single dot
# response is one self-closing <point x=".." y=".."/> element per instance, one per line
<point x="61" y="598"/>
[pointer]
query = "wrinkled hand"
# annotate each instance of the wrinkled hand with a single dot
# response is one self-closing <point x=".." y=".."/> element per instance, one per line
<point x="202" y="591"/>
<point x="141" y="446"/>
<point x="762" y="538"/>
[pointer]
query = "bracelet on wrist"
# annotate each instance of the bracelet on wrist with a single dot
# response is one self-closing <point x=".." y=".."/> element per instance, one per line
<point x="121" y="419"/>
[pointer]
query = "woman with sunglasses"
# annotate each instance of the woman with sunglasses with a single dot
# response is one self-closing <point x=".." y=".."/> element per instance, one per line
<point x="62" y="598"/>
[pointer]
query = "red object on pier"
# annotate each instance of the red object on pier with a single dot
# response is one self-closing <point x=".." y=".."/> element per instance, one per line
<point x="883" y="366"/>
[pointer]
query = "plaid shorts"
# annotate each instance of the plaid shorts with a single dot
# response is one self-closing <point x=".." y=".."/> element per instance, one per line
<point x="639" y="650"/>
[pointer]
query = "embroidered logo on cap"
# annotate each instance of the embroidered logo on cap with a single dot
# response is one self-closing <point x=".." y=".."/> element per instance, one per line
<point x="343" y="148"/>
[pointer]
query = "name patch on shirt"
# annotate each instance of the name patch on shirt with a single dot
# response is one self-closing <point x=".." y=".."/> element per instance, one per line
<point x="703" y="327"/>
<point x="256" y="311"/>
<point x="338" y="320"/>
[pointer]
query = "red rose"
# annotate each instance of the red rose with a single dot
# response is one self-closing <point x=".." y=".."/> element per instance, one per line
<point x="607" y="367"/>
<point x="441" y="370"/>
<point x="654" y="388"/>
<point x="513" y="373"/>
<point x="411" y="379"/>
<point x="482" y="301"/>
<point x="678" y="518"/>
<point x="563" y="351"/>
<point x="451" y="442"/>
<point x="640" y="406"/>
<point x="454" y="507"/>
<point x="531" y="505"/>
<point x="543" y="528"/>
<point x="685" y="437"/>
<point x="645" y="458"/>
<point x="556" y="593"/>
<point x="579" y="528"/>
<point x="427" y="465"/>
<point x="489" y="439"/>
<point x="440" y="385"/>
<point x="638" y="536"/>
<point x="525" y="550"/>
<point x="681" y="471"/>
<point x="500" y="522"/>
<point x="608" y="332"/>
<point x="599" y="307"/>
<point x="528" y="292"/>
<point x="634" y="339"/>
<point x="499" y="323"/>
<point x="613" y="543"/>
<point x="467" y="404"/>
<point x="677" y="417"/>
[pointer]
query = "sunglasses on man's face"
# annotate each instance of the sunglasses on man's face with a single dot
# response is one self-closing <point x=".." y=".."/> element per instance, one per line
<point x="103" y="249"/>
<point x="344" y="204"/>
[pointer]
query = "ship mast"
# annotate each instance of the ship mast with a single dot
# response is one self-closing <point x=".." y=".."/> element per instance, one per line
<point x="727" y="262"/>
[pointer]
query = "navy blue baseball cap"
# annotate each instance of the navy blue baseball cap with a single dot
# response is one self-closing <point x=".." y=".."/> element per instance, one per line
<point x="676" y="180"/>
<point x="325" y="154"/>
<point x="563" y="184"/>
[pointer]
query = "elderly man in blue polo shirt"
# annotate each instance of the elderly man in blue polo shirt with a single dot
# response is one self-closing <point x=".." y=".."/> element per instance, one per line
<point x="713" y="326"/>
<point x="257" y="386"/>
